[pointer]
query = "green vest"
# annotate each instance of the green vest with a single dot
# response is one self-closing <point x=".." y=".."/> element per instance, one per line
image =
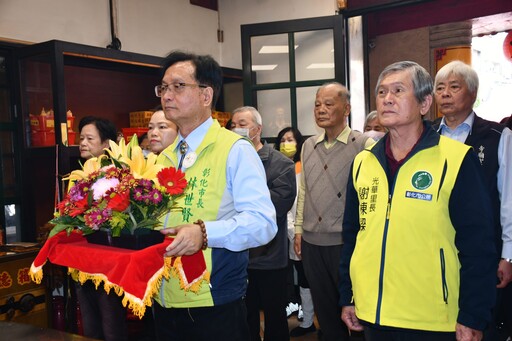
<point x="406" y="240"/>
<point x="206" y="184"/>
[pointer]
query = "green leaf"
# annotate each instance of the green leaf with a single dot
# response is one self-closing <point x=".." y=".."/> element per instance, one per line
<point x="61" y="227"/>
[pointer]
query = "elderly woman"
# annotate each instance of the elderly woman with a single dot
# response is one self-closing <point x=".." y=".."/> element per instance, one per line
<point x="418" y="254"/>
<point x="95" y="134"/>
<point x="103" y="315"/>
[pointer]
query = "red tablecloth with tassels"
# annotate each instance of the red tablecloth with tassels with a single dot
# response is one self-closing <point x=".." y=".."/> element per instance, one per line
<point x="135" y="273"/>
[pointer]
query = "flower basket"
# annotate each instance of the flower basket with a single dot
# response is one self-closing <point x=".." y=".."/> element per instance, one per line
<point x="136" y="241"/>
<point x="122" y="196"/>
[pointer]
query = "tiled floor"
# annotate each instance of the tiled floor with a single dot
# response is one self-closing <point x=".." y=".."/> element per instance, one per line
<point x="292" y="323"/>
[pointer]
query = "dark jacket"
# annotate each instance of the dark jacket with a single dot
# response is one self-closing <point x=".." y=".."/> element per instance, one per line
<point x="485" y="138"/>
<point x="281" y="182"/>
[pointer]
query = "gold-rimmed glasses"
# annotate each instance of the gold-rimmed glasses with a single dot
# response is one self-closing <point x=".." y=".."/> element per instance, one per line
<point x="175" y="88"/>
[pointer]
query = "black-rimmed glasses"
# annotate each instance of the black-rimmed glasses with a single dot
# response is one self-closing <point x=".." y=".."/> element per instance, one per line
<point x="175" y="88"/>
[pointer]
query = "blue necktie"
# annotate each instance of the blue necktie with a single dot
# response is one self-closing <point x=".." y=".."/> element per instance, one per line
<point x="183" y="152"/>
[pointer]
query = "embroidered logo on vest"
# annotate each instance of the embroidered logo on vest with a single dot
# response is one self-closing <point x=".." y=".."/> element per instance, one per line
<point x="421" y="180"/>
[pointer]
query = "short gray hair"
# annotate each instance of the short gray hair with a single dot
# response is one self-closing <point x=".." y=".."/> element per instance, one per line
<point x="421" y="79"/>
<point x="256" y="117"/>
<point x="371" y="116"/>
<point x="459" y="69"/>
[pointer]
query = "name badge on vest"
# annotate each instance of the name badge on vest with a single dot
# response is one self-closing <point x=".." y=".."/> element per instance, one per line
<point x="481" y="155"/>
<point x="189" y="159"/>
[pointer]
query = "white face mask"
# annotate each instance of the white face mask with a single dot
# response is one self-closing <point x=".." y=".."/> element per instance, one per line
<point x="376" y="135"/>
<point x="242" y="132"/>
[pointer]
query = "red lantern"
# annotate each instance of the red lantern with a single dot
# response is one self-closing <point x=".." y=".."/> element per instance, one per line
<point x="507" y="46"/>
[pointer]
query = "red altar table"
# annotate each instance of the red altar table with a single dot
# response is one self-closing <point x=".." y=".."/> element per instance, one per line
<point x="137" y="274"/>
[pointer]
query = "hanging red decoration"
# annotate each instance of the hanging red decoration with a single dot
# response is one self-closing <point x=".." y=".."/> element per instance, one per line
<point x="507" y="46"/>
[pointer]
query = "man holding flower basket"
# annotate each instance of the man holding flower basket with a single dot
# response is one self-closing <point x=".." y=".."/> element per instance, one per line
<point x="225" y="211"/>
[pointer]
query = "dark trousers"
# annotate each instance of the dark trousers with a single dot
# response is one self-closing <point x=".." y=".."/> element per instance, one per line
<point x="292" y="289"/>
<point x="374" y="334"/>
<point x="321" y="265"/>
<point x="500" y="327"/>
<point x="505" y="311"/>
<point x="267" y="291"/>
<point x="103" y="315"/>
<point x="301" y="276"/>
<point x="222" y="322"/>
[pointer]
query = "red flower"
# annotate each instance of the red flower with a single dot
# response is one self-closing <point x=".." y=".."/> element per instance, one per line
<point x="72" y="208"/>
<point x="173" y="180"/>
<point x="79" y="207"/>
<point x="119" y="201"/>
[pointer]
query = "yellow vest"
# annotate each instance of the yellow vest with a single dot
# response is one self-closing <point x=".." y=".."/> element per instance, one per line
<point x="405" y="268"/>
<point x="206" y="184"/>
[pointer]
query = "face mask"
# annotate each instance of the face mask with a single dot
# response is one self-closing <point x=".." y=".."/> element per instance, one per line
<point x="288" y="149"/>
<point x="376" y="135"/>
<point x="243" y="132"/>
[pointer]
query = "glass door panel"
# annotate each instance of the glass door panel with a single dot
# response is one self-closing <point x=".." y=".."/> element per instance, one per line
<point x="305" y="106"/>
<point x="314" y="56"/>
<point x="282" y="85"/>
<point x="270" y="59"/>
<point x="274" y="107"/>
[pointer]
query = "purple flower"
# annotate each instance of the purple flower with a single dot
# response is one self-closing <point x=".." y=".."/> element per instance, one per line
<point x="155" y="196"/>
<point x="96" y="216"/>
<point x="77" y="193"/>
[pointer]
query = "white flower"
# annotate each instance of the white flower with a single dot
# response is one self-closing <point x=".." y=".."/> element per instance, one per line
<point x="102" y="185"/>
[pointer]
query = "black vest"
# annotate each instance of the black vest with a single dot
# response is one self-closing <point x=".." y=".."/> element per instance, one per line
<point x="485" y="138"/>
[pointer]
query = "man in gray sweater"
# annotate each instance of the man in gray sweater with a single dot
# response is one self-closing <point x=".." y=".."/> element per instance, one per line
<point x="267" y="268"/>
<point x="326" y="160"/>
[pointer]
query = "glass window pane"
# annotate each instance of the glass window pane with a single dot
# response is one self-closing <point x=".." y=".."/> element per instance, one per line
<point x="5" y="115"/>
<point x="3" y="71"/>
<point x="270" y="58"/>
<point x="494" y="69"/>
<point x="12" y="223"/>
<point x="314" y="56"/>
<point x="37" y="105"/>
<point x="274" y="107"/>
<point x="7" y="164"/>
<point x="305" y="115"/>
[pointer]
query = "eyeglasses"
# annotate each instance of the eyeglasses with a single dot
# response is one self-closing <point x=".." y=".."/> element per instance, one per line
<point x="175" y="88"/>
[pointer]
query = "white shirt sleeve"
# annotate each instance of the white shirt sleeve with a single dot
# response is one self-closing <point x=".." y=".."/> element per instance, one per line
<point x="505" y="190"/>
<point x="254" y="221"/>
